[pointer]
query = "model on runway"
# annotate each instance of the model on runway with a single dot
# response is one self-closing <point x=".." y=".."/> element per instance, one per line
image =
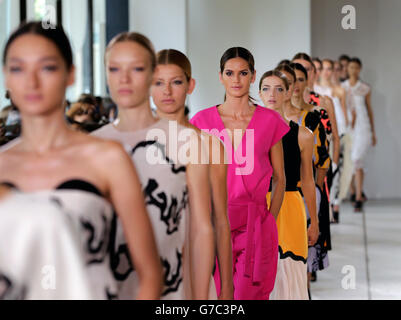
<point x="291" y="280"/>
<point x="172" y="83"/>
<point x="252" y="137"/>
<point x="71" y="168"/>
<point x="363" y="129"/>
<point x="176" y="188"/>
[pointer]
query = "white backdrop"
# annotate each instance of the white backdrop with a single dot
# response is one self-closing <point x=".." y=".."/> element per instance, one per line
<point x="377" y="42"/>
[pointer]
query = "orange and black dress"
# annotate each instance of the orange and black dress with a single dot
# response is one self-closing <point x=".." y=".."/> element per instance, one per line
<point x="317" y="254"/>
<point x="291" y="279"/>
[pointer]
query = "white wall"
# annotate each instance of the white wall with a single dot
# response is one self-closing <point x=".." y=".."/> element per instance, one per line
<point x="376" y="41"/>
<point x="272" y="30"/>
<point x="162" y="21"/>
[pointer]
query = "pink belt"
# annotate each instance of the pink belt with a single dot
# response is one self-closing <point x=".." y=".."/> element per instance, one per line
<point x="256" y="213"/>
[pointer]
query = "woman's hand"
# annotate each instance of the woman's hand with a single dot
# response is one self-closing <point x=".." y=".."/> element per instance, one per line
<point x="313" y="234"/>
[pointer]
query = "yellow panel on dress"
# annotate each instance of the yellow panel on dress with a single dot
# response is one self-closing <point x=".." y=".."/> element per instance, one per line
<point x="291" y="226"/>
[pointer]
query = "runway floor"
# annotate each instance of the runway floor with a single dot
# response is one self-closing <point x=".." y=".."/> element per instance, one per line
<point x="365" y="262"/>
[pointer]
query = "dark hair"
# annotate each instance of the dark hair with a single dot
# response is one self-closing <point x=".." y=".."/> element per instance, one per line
<point x="87" y="99"/>
<point x="304" y="56"/>
<point x="316" y="59"/>
<point x="238" y="52"/>
<point x="300" y="67"/>
<point x="53" y="33"/>
<point x="356" y="60"/>
<point x="287" y="68"/>
<point x="284" y="61"/>
<point x="274" y="73"/>
<point x="186" y="112"/>
<point x="172" y="56"/>
<point x="137" y="38"/>
<point x="344" y="57"/>
<point x="329" y="61"/>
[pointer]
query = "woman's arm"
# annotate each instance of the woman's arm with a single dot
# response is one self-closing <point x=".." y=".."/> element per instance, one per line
<point x="305" y="140"/>
<point x="321" y="152"/>
<point x="218" y="182"/>
<point x="278" y="183"/>
<point x="343" y="101"/>
<point x="201" y="235"/>
<point x="126" y="195"/>
<point x="371" y="118"/>
<point x="328" y="104"/>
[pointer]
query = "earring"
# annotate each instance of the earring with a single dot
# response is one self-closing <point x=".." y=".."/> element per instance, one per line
<point x="7" y="95"/>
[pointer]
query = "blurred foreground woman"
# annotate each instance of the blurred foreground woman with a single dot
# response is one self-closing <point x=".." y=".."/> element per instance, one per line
<point x="69" y="168"/>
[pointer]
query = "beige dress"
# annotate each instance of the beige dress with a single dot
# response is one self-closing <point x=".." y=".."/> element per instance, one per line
<point x="155" y="152"/>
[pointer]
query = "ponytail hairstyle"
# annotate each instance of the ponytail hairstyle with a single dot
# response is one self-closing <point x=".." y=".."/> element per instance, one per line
<point x="287" y="68"/>
<point x="356" y="60"/>
<point x="53" y="33"/>
<point x="137" y="38"/>
<point x="300" y="67"/>
<point x="274" y="73"/>
<point x="172" y="56"/>
<point x="304" y="56"/>
<point x="329" y="61"/>
<point x="238" y="52"/>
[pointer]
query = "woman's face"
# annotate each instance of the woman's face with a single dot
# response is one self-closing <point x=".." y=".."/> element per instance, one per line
<point x="344" y="68"/>
<point x="354" y="69"/>
<point x="237" y="77"/>
<point x="170" y="88"/>
<point x="36" y="75"/>
<point x="291" y="85"/>
<point x="129" y="74"/>
<point x="327" y="70"/>
<point x="309" y="69"/>
<point x="300" y="84"/>
<point x="318" y="67"/>
<point x="337" y="70"/>
<point x="273" y="93"/>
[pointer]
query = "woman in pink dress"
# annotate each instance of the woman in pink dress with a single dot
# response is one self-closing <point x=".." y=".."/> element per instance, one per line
<point x="252" y="138"/>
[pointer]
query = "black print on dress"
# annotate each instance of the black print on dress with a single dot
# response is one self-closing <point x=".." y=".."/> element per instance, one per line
<point x="96" y="248"/>
<point x="57" y="202"/>
<point x="172" y="278"/>
<point x="145" y="144"/>
<point x="110" y="295"/>
<point x="120" y="260"/>
<point x="8" y="291"/>
<point x="170" y="214"/>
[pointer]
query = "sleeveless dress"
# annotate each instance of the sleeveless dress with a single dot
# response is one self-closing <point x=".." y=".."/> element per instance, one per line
<point x="342" y="132"/>
<point x="317" y="254"/>
<point x="362" y="132"/>
<point x="164" y="185"/>
<point x="64" y="233"/>
<point x="253" y="228"/>
<point x="291" y="280"/>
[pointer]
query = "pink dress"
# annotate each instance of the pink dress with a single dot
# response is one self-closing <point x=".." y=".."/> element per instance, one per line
<point x="253" y="228"/>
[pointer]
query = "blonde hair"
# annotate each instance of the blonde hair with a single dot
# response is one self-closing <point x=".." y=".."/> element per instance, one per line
<point x="137" y="38"/>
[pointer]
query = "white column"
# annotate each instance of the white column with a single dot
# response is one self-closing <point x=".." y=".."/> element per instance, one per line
<point x="75" y="14"/>
<point x="99" y="46"/>
<point x="9" y="20"/>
